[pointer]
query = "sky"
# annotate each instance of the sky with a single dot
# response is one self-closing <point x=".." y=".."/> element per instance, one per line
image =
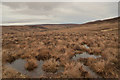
<point x="26" y="13"/>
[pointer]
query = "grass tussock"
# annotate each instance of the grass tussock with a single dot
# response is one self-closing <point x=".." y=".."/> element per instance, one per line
<point x="31" y="64"/>
<point x="43" y="54"/>
<point x="50" y="65"/>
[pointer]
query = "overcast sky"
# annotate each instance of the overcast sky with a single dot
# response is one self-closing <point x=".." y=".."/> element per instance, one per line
<point x="16" y="13"/>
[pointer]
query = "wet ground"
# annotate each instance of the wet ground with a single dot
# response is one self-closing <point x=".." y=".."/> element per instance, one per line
<point x="19" y="65"/>
<point x="85" y="55"/>
<point x="81" y="52"/>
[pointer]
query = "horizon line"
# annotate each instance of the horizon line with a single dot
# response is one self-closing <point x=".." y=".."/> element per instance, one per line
<point x="25" y="24"/>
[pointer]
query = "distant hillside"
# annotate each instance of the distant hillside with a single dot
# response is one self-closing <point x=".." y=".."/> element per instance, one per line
<point x="112" y="20"/>
<point x="57" y="26"/>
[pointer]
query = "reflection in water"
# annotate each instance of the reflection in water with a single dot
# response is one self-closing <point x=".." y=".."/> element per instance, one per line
<point x="90" y="71"/>
<point x="19" y="66"/>
<point x="86" y="46"/>
<point x="84" y="55"/>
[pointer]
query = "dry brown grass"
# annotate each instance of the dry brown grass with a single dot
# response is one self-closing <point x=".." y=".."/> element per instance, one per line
<point x="31" y="64"/>
<point x="75" y="70"/>
<point x="50" y="65"/>
<point x="62" y="44"/>
<point x="99" y="66"/>
<point x="26" y="56"/>
<point x="43" y="54"/>
<point x="7" y="57"/>
<point x="8" y="72"/>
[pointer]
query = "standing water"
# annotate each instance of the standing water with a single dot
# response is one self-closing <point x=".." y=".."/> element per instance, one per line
<point x="86" y="46"/>
<point x="19" y="65"/>
<point x="84" y="55"/>
<point x="92" y="73"/>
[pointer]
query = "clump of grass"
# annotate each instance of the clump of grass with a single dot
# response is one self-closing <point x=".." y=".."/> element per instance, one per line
<point x="17" y="55"/>
<point x="43" y="54"/>
<point x="77" y="47"/>
<point x="97" y="50"/>
<point x="74" y="70"/>
<point x="62" y="50"/>
<point x="26" y="56"/>
<point x="31" y="64"/>
<point x="65" y="58"/>
<point x="110" y="54"/>
<point x="99" y="66"/>
<point x="90" y="61"/>
<point x="110" y="71"/>
<point x="10" y="58"/>
<point x="50" y="65"/>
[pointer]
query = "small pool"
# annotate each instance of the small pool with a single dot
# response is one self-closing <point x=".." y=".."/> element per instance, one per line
<point x="19" y="65"/>
<point x="86" y="46"/>
<point x="84" y="55"/>
<point x="92" y="73"/>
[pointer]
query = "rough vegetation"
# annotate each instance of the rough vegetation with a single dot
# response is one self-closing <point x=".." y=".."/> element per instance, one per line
<point x="56" y="46"/>
<point x="50" y="65"/>
<point x="31" y="64"/>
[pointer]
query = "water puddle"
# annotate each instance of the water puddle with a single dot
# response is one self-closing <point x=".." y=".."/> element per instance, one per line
<point x="90" y="71"/>
<point x="19" y="65"/>
<point x="84" y="55"/>
<point x="87" y="55"/>
<point x="86" y="46"/>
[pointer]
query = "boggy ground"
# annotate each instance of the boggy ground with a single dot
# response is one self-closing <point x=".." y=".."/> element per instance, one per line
<point x="56" y="48"/>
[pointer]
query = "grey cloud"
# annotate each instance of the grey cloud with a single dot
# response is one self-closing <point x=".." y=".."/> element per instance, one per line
<point x="54" y="12"/>
<point x="33" y="8"/>
<point x="32" y="5"/>
<point x="24" y="20"/>
<point x="14" y="5"/>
